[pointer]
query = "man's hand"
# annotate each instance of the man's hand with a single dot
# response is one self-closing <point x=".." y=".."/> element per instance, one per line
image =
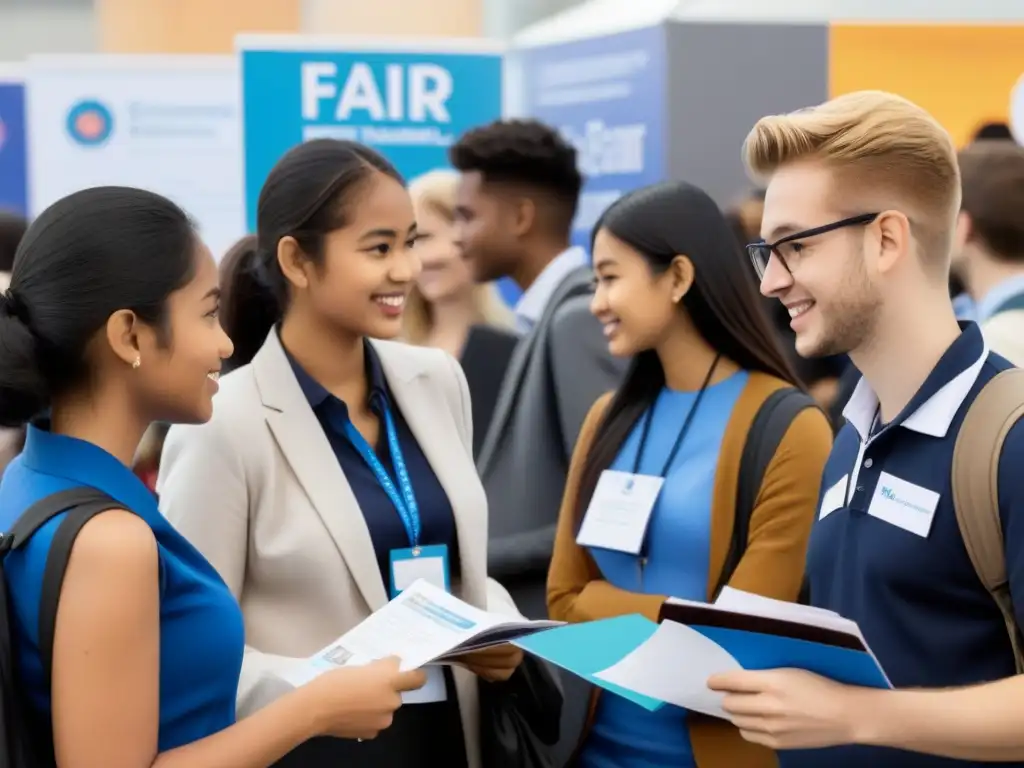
<point x="495" y="664"/>
<point x="794" y="709"/>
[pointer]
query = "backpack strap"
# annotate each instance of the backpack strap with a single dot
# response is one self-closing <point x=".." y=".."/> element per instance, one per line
<point x="766" y="432"/>
<point x="82" y="504"/>
<point x="975" y="485"/>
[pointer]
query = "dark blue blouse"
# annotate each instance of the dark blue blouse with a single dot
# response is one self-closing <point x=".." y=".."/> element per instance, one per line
<point x="387" y="531"/>
<point x="202" y="637"/>
<point x="422" y="735"/>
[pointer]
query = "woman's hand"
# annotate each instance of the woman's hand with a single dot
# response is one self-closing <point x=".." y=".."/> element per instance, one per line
<point x="495" y="664"/>
<point x="360" y="702"/>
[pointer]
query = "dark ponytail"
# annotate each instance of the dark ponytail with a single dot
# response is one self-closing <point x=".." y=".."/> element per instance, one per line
<point x="84" y="258"/>
<point x="307" y="195"/>
<point x="248" y="308"/>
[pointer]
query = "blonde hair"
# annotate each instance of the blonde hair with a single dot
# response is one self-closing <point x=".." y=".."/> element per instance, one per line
<point x="883" y="148"/>
<point x="436" y="190"/>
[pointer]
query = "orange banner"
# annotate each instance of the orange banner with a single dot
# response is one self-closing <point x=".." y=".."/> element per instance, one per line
<point x="189" y="26"/>
<point x="417" y="18"/>
<point x="961" y="74"/>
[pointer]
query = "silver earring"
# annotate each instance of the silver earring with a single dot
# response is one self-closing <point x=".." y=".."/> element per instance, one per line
<point x="136" y="363"/>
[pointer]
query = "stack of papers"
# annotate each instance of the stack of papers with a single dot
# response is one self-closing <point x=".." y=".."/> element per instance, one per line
<point x="423" y="625"/>
<point x="671" y="661"/>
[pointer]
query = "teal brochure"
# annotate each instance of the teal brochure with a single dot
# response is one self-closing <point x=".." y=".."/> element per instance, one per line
<point x="585" y="649"/>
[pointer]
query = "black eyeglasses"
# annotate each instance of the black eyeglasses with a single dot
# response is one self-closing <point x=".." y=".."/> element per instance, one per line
<point x="762" y="252"/>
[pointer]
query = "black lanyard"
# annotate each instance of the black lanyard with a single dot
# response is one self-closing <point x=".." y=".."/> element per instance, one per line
<point x="682" y="432"/>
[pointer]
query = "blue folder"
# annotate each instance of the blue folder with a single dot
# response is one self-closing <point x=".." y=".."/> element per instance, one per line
<point x="755" y="650"/>
<point x="591" y="647"/>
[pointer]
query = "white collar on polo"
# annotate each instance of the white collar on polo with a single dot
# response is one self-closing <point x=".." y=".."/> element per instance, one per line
<point x="932" y="417"/>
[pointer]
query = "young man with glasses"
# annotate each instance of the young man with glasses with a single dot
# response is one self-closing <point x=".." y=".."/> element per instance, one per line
<point x="860" y="213"/>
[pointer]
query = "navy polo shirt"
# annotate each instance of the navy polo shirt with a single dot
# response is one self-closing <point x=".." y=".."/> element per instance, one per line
<point x="387" y="531"/>
<point x="886" y="549"/>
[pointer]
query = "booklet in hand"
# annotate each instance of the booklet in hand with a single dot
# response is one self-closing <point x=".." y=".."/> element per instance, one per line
<point x="694" y="641"/>
<point x="423" y="625"/>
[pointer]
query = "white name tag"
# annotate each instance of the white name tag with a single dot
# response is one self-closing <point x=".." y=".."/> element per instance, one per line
<point x="904" y="504"/>
<point x="834" y="498"/>
<point x="619" y="511"/>
<point x="434" y="690"/>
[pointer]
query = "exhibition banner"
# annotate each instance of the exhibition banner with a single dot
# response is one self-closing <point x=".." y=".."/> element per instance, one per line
<point x="13" y="148"/>
<point x="607" y="96"/>
<point x="409" y="99"/>
<point x="169" y="124"/>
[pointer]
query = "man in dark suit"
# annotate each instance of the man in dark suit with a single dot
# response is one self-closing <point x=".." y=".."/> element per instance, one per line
<point x="516" y="202"/>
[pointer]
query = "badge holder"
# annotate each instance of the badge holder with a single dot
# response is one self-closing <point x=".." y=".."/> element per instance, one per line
<point x="412" y="563"/>
<point x="430" y="564"/>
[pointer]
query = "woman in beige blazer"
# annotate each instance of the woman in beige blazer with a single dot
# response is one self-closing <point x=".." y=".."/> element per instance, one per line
<point x="283" y="490"/>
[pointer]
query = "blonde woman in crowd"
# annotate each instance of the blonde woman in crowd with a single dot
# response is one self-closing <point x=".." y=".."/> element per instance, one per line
<point x="446" y="309"/>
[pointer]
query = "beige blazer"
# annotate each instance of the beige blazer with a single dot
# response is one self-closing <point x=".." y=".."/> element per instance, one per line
<point x="259" y="491"/>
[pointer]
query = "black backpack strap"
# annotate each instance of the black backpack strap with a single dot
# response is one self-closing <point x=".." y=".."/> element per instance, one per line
<point x="82" y="505"/>
<point x="766" y="432"/>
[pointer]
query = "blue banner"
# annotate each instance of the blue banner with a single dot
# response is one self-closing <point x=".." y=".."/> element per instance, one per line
<point x="607" y="96"/>
<point x="13" y="151"/>
<point x="411" y="106"/>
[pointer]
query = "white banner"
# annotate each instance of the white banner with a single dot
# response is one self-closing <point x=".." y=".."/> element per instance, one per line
<point x="170" y="124"/>
<point x="1017" y="110"/>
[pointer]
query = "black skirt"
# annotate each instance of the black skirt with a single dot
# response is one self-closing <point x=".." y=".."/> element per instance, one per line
<point x="421" y="736"/>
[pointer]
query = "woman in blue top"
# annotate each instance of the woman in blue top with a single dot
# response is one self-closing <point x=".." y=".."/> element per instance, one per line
<point x="675" y="292"/>
<point x="111" y="323"/>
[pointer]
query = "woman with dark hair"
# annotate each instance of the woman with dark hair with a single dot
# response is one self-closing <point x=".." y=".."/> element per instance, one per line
<point x="337" y="462"/>
<point x="674" y="292"/>
<point x="110" y="322"/>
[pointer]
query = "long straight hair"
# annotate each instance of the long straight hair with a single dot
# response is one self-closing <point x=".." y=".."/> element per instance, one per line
<point x="662" y="222"/>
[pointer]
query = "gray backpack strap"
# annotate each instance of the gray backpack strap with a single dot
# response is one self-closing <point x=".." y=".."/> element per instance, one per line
<point x="975" y="485"/>
<point x="766" y="432"/>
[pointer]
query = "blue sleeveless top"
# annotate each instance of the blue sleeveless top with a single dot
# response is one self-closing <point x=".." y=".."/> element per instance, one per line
<point x="202" y="637"/>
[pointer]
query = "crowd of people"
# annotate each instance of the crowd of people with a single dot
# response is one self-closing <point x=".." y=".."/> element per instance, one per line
<point x="271" y="432"/>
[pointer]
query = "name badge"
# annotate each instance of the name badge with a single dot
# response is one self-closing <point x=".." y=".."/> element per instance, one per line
<point x="904" y="504"/>
<point x="433" y="690"/>
<point x="430" y="564"/>
<point x="427" y="563"/>
<point x="619" y="511"/>
<point x="834" y="498"/>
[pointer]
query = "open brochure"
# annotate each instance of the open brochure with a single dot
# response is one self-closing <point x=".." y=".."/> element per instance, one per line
<point x="694" y="641"/>
<point x="423" y="625"/>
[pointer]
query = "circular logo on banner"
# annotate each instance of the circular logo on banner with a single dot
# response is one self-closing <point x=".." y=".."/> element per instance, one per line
<point x="90" y="123"/>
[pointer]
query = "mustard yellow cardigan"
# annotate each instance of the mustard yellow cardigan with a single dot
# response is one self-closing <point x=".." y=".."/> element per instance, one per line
<point x="772" y="565"/>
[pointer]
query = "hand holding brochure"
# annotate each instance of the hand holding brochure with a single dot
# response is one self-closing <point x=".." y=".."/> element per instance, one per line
<point x="694" y="641"/>
<point x="423" y="625"/>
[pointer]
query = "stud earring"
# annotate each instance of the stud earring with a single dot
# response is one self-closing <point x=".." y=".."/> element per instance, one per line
<point x="136" y="363"/>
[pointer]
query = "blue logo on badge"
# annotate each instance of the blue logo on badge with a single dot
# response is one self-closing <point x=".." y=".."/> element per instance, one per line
<point x="628" y="487"/>
<point x="90" y="123"/>
<point x="888" y="492"/>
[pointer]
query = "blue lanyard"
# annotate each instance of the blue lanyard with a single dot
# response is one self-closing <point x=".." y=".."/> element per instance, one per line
<point x="405" y="502"/>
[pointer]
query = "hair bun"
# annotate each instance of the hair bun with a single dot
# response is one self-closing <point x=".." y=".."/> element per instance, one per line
<point x="24" y="388"/>
<point x="11" y="306"/>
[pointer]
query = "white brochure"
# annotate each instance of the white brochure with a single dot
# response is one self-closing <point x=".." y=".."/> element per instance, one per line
<point x="423" y="625"/>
